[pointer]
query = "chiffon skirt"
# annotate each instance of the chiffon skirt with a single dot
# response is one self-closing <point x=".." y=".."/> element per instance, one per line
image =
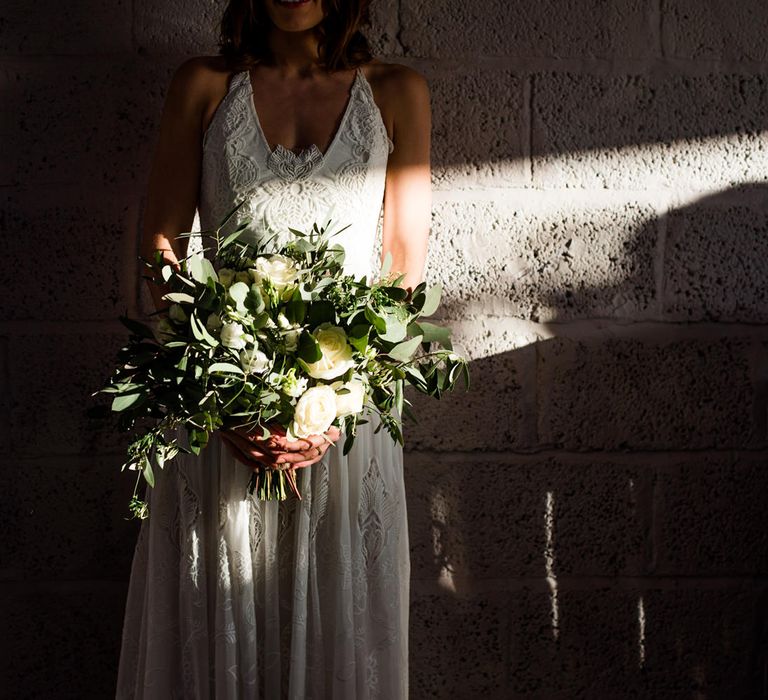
<point x="231" y="597"/>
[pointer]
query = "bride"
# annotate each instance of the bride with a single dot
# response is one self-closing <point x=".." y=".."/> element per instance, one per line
<point x="232" y="597"/>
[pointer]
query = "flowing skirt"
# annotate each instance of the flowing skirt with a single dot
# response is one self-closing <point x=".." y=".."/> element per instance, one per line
<point x="231" y="597"/>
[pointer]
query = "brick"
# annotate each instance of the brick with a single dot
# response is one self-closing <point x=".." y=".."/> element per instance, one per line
<point x="85" y="122"/>
<point x="52" y="378"/>
<point x="62" y="641"/>
<point x="635" y="641"/>
<point x="497" y="411"/>
<point x="478" y="129"/>
<point x="66" y="28"/>
<point x="714" y="262"/>
<point x="178" y="26"/>
<point x="711" y="517"/>
<point x="641" y="132"/>
<point x="645" y="394"/>
<point x="457" y="646"/>
<point x="716" y="29"/>
<point x="87" y="243"/>
<point x="560" y="262"/>
<point x="60" y="504"/>
<point x="574" y="28"/>
<point x="478" y="518"/>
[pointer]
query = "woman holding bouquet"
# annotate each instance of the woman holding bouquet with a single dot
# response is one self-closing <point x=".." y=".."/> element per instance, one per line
<point x="231" y="596"/>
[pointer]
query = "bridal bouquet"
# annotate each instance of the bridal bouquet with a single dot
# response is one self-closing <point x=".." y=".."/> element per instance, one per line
<point x="261" y="336"/>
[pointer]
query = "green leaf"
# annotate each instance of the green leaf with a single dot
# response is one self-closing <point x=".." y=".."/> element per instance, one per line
<point x="200" y="332"/>
<point x="200" y="268"/>
<point x="386" y="266"/>
<point x="402" y="352"/>
<point x="225" y="368"/>
<point x="121" y="403"/>
<point x="358" y="336"/>
<point x="396" y="329"/>
<point x="309" y="348"/>
<point x="376" y="320"/>
<point x="432" y="300"/>
<point x="179" y="298"/>
<point x="149" y="475"/>
<point x="432" y="333"/>
<point x="137" y="328"/>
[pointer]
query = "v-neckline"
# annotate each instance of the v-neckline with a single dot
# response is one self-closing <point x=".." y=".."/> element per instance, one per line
<point x="312" y="149"/>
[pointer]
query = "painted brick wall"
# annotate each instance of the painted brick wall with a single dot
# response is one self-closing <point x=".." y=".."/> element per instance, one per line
<point x="589" y="520"/>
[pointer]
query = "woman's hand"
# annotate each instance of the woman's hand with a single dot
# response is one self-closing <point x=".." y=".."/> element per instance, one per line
<point x="277" y="451"/>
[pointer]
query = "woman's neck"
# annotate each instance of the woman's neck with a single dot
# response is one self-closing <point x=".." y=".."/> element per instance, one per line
<point x="294" y="54"/>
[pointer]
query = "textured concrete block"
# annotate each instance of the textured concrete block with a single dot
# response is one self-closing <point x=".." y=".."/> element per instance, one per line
<point x="575" y="28"/>
<point x="52" y="379"/>
<point x="478" y="129"/>
<point x="88" y="122"/>
<point x="715" y="29"/>
<point x="639" y="132"/>
<point x="61" y="641"/>
<point x="714" y="262"/>
<point x="611" y="642"/>
<point x="478" y="518"/>
<point x="457" y="646"/>
<point x="711" y="517"/>
<point x="86" y="245"/>
<point x="74" y="511"/>
<point x="383" y="29"/>
<point x="561" y="261"/>
<point x="498" y="410"/>
<point x="178" y="26"/>
<point x="5" y="393"/>
<point x="83" y="27"/>
<point x="645" y="394"/>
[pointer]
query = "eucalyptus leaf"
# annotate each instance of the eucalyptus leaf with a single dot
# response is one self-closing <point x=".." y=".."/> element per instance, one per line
<point x="402" y="352"/>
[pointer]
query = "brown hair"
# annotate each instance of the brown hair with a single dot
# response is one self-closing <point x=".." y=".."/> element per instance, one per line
<point x="245" y="27"/>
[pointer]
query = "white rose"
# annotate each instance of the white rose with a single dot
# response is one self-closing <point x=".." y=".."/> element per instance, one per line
<point x="315" y="411"/>
<point x="226" y="276"/>
<point x="233" y="336"/>
<point x="337" y="353"/>
<point x="213" y="323"/>
<point x="351" y="401"/>
<point x="177" y="313"/>
<point x="279" y="269"/>
<point x="253" y="361"/>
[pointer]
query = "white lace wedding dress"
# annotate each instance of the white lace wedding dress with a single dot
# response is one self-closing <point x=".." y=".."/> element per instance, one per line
<point x="232" y="597"/>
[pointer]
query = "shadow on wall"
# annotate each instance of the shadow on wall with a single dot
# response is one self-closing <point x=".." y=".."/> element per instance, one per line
<point x="602" y="538"/>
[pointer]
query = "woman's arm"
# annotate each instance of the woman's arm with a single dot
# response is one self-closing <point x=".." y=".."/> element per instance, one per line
<point x="408" y="188"/>
<point x="174" y="177"/>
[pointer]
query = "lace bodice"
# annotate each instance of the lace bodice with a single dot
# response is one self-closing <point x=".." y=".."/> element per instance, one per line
<point x="286" y="189"/>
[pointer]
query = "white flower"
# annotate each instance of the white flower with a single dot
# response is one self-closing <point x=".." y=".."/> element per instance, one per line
<point x="279" y="269"/>
<point x="213" y="323"/>
<point x="337" y="353"/>
<point x="243" y="276"/>
<point x="290" y="331"/>
<point x="294" y="386"/>
<point x="233" y="336"/>
<point x="177" y="313"/>
<point x="253" y="360"/>
<point x="315" y="411"/>
<point x="226" y="276"/>
<point x="351" y="401"/>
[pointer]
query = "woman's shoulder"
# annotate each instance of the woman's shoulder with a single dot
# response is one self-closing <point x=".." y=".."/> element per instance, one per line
<point x="396" y="77"/>
<point x="400" y="90"/>
<point x="201" y="74"/>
